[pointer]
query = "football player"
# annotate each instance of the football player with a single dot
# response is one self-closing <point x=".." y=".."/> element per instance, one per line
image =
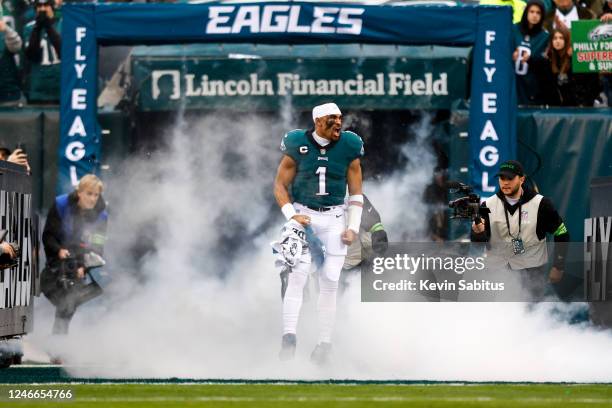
<point x="310" y="188"/>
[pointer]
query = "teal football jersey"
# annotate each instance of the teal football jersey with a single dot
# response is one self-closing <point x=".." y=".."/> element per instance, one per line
<point x="320" y="180"/>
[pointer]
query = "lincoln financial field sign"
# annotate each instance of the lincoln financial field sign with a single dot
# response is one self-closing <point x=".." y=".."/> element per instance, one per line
<point x="266" y="84"/>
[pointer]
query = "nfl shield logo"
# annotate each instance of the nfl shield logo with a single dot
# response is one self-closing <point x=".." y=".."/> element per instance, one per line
<point x="322" y="151"/>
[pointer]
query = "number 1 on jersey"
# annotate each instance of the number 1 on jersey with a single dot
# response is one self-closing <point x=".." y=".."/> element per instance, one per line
<point x="321" y="172"/>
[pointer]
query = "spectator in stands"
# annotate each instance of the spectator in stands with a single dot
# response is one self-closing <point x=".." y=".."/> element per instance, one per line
<point x="530" y="42"/>
<point x="43" y="53"/>
<point x="567" y="88"/>
<point x="564" y="12"/>
<point x="555" y="78"/>
<point x="10" y="46"/>
<point x="518" y="7"/>
<point x="4" y="153"/>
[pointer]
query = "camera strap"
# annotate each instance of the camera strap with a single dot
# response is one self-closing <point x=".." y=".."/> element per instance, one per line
<point x="508" y="221"/>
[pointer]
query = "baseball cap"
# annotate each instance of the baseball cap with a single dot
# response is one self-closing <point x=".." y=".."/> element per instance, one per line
<point x="510" y="169"/>
<point x="326" y="109"/>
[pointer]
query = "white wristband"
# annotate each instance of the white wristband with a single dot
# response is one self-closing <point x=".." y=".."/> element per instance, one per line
<point x="355" y="210"/>
<point x="357" y="198"/>
<point x="288" y="211"/>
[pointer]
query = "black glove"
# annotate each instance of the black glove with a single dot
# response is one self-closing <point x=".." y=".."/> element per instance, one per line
<point x="380" y="242"/>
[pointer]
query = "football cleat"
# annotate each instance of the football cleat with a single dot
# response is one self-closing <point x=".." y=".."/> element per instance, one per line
<point x="288" y="347"/>
<point x="321" y="355"/>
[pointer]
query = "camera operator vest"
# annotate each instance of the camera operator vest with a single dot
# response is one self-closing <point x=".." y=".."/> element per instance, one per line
<point x="536" y="253"/>
<point x="90" y="234"/>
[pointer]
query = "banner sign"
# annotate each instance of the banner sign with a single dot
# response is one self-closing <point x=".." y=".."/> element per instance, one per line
<point x="258" y="84"/>
<point x="492" y="108"/>
<point x="591" y="46"/>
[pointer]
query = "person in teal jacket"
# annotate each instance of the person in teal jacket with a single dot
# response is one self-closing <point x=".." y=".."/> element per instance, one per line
<point x="530" y="41"/>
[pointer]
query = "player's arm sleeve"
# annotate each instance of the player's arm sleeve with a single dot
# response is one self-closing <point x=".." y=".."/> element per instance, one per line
<point x="549" y="221"/>
<point x="483" y="236"/>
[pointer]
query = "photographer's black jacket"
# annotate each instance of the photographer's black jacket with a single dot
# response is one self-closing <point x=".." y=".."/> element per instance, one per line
<point x="548" y="221"/>
<point x="72" y="228"/>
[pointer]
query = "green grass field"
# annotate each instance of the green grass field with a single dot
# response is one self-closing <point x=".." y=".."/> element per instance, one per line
<point x="317" y="395"/>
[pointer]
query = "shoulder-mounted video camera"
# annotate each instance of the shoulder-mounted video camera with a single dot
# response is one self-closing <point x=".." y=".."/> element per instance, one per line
<point x="467" y="206"/>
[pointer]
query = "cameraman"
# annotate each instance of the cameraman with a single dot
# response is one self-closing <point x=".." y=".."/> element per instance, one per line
<point x="521" y="240"/>
<point x="76" y="225"/>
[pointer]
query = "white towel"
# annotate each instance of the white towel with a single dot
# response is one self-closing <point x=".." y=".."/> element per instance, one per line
<point x="292" y="246"/>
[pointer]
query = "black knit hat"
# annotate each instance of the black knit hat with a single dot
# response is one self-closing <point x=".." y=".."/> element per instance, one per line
<point x="44" y="3"/>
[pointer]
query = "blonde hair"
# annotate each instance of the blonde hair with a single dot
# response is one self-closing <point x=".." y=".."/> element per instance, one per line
<point x="90" y="180"/>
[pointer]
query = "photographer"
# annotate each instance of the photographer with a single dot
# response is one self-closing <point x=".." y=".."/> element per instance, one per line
<point x="75" y="226"/>
<point x="43" y="52"/>
<point x="516" y="228"/>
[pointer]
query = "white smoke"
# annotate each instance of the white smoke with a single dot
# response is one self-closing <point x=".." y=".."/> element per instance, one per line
<point x="196" y="305"/>
<point x="404" y="189"/>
